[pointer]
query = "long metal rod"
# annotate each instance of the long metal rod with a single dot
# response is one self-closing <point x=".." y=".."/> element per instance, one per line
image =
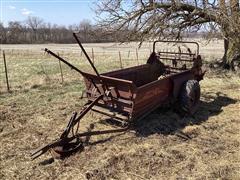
<point x="88" y="108"/>
<point x="71" y="66"/>
<point x="40" y="151"/>
<point x="64" y="136"/>
<point x="63" y="60"/>
<point x="177" y="59"/>
<point x="60" y="67"/>
<point x="85" y="53"/>
<point x="94" y="133"/>
<point x="179" y="42"/>
<point x="105" y="87"/>
<point x="162" y="52"/>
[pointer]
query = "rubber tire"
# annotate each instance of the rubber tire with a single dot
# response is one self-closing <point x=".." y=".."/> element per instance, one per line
<point x="189" y="97"/>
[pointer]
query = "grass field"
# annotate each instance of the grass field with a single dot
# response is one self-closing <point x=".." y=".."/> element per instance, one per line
<point x="39" y="106"/>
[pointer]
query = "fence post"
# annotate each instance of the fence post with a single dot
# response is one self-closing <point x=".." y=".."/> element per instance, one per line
<point x="92" y="55"/>
<point x="128" y="53"/>
<point x="137" y="56"/>
<point x="60" y="67"/>
<point x="6" y="72"/>
<point x="120" y="59"/>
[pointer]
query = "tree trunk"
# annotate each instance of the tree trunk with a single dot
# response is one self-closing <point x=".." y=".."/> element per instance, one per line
<point x="231" y="57"/>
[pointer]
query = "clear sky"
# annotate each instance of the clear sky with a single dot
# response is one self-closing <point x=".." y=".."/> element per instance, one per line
<point x="61" y="12"/>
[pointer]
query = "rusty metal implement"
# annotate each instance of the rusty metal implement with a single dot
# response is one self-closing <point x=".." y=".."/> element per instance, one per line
<point x="132" y="93"/>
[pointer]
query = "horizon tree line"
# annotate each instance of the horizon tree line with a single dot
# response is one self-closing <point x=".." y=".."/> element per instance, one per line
<point x="34" y="31"/>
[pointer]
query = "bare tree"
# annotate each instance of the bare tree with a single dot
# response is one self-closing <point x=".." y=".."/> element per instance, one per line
<point x="34" y="23"/>
<point x="34" y="30"/>
<point x="15" y="32"/>
<point x="85" y="27"/>
<point x="2" y="34"/>
<point x="159" y="18"/>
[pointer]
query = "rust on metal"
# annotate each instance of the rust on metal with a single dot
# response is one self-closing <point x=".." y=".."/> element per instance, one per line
<point x="128" y="94"/>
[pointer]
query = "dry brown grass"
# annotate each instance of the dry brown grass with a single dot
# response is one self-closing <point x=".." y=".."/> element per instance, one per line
<point x="164" y="145"/>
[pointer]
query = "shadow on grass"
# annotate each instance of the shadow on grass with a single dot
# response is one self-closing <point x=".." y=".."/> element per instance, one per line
<point x="166" y="121"/>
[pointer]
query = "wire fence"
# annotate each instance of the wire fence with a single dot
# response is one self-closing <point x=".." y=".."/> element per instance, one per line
<point x="28" y="68"/>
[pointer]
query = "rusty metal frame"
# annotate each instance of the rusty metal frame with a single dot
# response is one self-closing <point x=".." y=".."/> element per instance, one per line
<point x="125" y="93"/>
<point x="177" y="42"/>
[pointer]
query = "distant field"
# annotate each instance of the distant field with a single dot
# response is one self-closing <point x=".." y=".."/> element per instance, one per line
<point x="39" y="106"/>
<point x="29" y="65"/>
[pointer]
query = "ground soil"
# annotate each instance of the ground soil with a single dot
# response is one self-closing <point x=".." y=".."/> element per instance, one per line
<point x="163" y="145"/>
